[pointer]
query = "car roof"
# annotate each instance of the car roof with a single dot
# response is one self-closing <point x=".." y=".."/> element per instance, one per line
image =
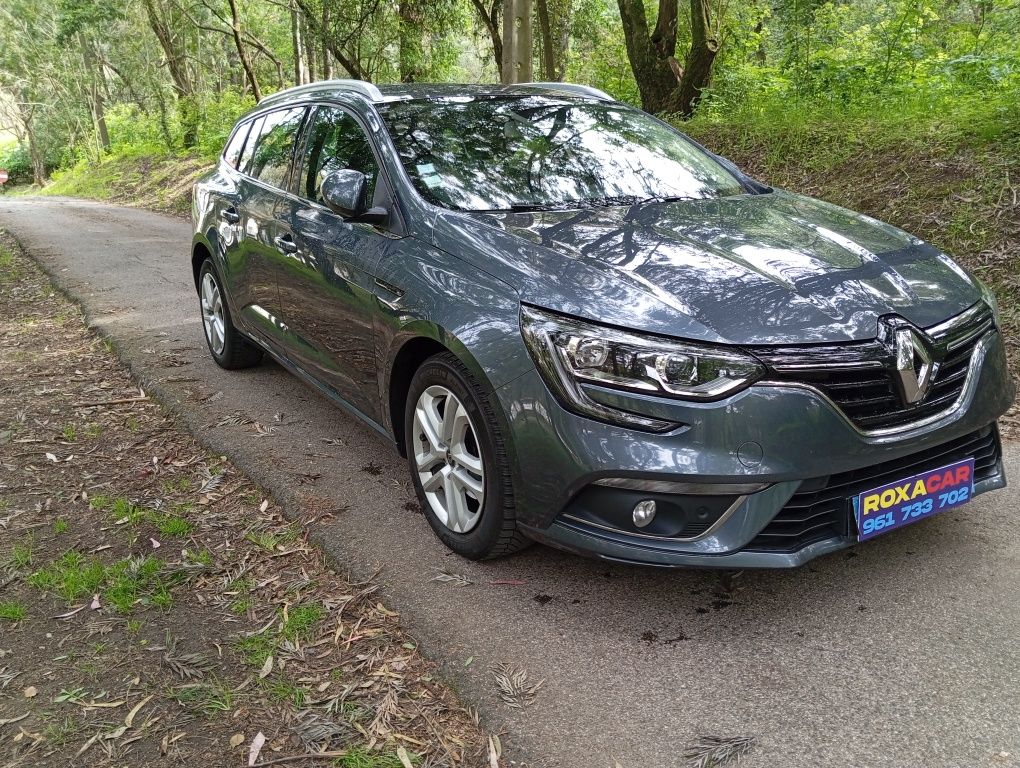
<point x="380" y="94"/>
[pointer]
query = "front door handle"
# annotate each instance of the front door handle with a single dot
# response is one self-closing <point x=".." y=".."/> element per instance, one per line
<point x="285" y="243"/>
<point x="230" y="215"/>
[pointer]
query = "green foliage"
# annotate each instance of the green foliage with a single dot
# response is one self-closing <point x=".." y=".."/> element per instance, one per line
<point x="14" y="158"/>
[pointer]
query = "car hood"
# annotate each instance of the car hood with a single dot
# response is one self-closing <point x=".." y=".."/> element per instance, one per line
<point x="750" y="269"/>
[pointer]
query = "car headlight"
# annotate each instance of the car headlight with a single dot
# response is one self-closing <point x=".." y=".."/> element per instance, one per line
<point x="989" y="299"/>
<point x="572" y="352"/>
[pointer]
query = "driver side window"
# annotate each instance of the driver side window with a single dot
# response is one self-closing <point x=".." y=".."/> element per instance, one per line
<point x="335" y="142"/>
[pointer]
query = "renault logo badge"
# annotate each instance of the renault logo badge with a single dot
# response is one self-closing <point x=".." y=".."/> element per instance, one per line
<point x="913" y="365"/>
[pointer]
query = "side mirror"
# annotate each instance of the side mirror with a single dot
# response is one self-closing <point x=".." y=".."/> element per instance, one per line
<point x="346" y="192"/>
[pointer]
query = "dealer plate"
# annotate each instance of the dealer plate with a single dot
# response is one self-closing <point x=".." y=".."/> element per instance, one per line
<point x="913" y="498"/>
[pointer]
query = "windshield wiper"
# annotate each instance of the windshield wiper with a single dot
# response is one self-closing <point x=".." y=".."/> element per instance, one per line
<point x="667" y="199"/>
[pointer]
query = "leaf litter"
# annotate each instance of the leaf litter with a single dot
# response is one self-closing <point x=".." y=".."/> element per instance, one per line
<point x="169" y="617"/>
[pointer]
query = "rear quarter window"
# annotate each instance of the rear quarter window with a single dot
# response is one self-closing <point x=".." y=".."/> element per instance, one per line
<point x="232" y="153"/>
<point x="244" y="164"/>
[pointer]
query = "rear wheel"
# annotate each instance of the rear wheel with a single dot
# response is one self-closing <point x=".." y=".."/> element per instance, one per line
<point x="228" y="347"/>
<point x="458" y="461"/>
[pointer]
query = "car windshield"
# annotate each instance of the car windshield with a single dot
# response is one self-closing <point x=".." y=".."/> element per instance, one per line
<point x="531" y="153"/>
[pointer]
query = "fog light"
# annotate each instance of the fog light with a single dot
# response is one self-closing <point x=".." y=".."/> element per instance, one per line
<point x="644" y="513"/>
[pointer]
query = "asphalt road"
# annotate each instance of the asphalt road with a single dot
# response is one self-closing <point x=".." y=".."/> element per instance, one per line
<point x="902" y="652"/>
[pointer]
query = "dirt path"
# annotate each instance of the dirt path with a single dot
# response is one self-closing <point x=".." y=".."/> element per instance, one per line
<point x="155" y="607"/>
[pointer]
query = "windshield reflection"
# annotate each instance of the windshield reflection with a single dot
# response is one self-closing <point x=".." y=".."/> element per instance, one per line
<point x="537" y="153"/>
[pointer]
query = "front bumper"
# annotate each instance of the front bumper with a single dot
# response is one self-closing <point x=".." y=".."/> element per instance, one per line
<point x="791" y="438"/>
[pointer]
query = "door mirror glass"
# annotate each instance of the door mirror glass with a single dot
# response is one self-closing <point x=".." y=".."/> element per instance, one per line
<point x="345" y="192"/>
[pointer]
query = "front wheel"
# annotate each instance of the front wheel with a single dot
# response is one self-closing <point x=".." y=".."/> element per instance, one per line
<point x="228" y="347"/>
<point x="458" y="461"/>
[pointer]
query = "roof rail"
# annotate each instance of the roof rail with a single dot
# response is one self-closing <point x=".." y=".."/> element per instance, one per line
<point x="572" y="88"/>
<point x="362" y="87"/>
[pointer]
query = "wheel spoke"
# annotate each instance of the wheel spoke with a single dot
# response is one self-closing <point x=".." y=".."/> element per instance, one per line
<point x="456" y="505"/>
<point x="435" y="482"/>
<point x="469" y="482"/>
<point x="427" y="459"/>
<point x="461" y="455"/>
<point x="429" y="421"/>
<point x="455" y="421"/>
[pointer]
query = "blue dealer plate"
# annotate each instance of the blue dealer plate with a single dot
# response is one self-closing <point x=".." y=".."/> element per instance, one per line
<point x="913" y="498"/>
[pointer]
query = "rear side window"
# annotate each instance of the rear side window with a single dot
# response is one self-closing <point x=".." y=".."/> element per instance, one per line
<point x="270" y="162"/>
<point x="232" y="154"/>
<point x="335" y="142"/>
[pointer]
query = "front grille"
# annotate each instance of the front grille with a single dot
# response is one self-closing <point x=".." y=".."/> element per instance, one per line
<point x="822" y="508"/>
<point x="859" y="377"/>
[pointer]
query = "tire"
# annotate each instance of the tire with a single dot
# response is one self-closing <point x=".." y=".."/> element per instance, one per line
<point x="236" y="351"/>
<point x="477" y="531"/>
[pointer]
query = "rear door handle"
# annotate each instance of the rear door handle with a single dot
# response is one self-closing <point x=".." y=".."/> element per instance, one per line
<point x="230" y="215"/>
<point x="285" y="243"/>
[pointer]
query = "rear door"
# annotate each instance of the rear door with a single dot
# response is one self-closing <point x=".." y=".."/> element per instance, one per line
<point x="264" y="238"/>
<point x="327" y="287"/>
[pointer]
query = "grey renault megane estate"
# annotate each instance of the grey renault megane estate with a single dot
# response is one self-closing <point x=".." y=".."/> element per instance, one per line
<point x="583" y="328"/>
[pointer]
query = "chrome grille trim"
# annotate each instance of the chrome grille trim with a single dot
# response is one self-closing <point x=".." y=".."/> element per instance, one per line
<point x="856" y="378"/>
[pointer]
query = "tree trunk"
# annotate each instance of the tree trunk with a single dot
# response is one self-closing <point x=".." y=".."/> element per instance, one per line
<point x="94" y="72"/>
<point x="27" y="112"/>
<point x="490" y="18"/>
<point x="176" y="62"/>
<point x="697" y="73"/>
<point x="548" y="49"/>
<point x="517" y="42"/>
<point x="412" y="51"/>
<point x="309" y="46"/>
<point x="651" y="60"/>
<point x="300" y="70"/>
<point x="327" y="63"/>
<point x="664" y="85"/>
<point x="242" y="52"/>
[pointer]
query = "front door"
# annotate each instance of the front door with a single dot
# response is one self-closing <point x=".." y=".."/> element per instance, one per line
<point x="327" y="286"/>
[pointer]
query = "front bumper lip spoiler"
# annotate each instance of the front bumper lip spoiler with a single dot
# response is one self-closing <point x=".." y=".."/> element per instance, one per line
<point x="563" y="534"/>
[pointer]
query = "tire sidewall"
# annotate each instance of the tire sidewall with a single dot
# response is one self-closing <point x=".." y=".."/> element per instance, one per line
<point x="480" y="540"/>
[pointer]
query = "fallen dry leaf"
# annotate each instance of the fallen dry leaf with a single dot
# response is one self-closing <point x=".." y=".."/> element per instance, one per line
<point x="31" y="692"/>
<point x="236" y="740"/>
<point x="256" y="747"/>
<point x="267" y="667"/>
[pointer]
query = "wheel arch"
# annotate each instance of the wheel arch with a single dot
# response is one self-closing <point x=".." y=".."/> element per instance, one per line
<point x="201" y="249"/>
<point x="413" y="347"/>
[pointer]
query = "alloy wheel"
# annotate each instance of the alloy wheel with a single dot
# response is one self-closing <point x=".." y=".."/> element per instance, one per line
<point x="448" y="459"/>
<point x="212" y="314"/>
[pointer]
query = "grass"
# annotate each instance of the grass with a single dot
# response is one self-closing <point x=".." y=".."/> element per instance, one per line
<point x="9" y="271"/>
<point x="286" y="691"/>
<point x="173" y="527"/>
<point x="362" y="758"/>
<point x="270" y="540"/>
<point x="299" y="625"/>
<point x="12" y="611"/>
<point x="208" y="697"/>
<point x="22" y="553"/>
<point x="124" y="584"/>
<point x="301" y="619"/>
<point x="60" y="526"/>
<point x="161" y="183"/>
